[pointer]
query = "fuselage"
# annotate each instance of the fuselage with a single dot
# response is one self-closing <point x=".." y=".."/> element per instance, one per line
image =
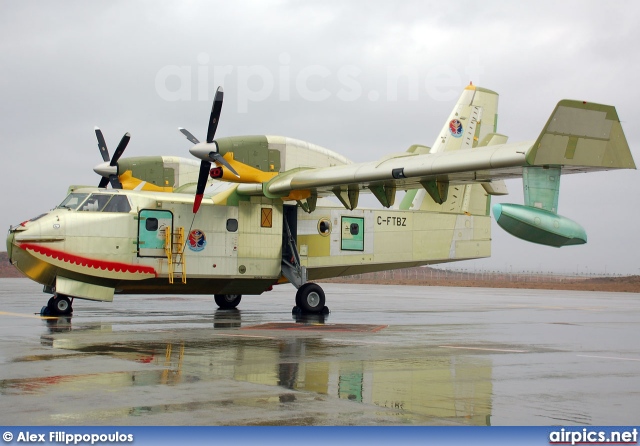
<point x="99" y="241"/>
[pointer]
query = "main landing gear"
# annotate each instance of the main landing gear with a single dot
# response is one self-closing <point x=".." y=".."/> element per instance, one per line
<point x="58" y="305"/>
<point x="310" y="299"/>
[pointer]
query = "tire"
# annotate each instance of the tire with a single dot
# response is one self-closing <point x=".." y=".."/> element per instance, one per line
<point x="298" y="304"/>
<point x="60" y="305"/>
<point x="300" y="293"/>
<point x="227" y="301"/>
<point x="310" y="298"/>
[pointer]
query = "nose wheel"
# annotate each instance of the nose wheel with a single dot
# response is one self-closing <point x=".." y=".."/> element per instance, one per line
<point x="227" y="301"/>
<point x="59" y="305"/>
<point x="310" y="299"/>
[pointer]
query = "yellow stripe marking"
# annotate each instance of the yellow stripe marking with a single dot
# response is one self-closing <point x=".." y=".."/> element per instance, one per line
<point x="485" y="349"/>
<point x="245" y="336"/>
<point x="35" y="316"/>
<point x="608" y="357"/>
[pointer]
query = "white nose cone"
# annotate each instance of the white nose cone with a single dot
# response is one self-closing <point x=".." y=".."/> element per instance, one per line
<point x="105" y="169"/>
<point x="203" y="149"/>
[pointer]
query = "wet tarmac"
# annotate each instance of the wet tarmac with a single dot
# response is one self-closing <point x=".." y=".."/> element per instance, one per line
<point x="386" y="355"/>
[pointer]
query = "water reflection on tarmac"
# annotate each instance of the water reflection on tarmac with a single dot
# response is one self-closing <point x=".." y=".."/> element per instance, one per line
<point x="385" y="355"/>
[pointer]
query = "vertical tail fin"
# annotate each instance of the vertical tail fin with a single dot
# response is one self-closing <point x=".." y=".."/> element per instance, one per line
<point x="472" y="123"/>
<point x="474" y="116"/>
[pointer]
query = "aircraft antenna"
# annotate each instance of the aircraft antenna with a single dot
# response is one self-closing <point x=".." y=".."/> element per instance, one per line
<point x="190" y="228"/>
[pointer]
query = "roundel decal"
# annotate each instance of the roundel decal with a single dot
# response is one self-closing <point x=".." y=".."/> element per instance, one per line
<point x="455" y="127"/>
<point x="196" y="241"/>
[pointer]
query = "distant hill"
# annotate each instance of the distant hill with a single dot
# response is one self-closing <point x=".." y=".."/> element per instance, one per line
<point x="6" y="269"/>
<point x="425" y="276"/>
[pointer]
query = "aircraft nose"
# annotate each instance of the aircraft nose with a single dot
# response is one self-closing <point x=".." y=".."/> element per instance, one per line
<point x="10" y="238"/>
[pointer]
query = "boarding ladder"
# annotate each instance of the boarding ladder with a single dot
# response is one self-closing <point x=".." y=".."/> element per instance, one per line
<point x="174" y="249"/>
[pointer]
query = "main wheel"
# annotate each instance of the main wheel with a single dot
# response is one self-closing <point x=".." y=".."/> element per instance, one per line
<point x="60" y="305"/>
<point x="227" y="301"/>
<point x="310" y="298"/>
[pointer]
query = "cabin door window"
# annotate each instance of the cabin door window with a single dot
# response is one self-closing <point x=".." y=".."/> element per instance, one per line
<point x="352" y="234"/>
<point x="152" y="227"/>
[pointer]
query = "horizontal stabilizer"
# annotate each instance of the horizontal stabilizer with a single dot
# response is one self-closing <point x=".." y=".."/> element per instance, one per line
<point x="581" y="134"/>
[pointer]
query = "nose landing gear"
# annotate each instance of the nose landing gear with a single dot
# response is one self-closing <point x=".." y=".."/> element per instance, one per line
<point x="58" y="305"/>
<point x="227" y="301"/>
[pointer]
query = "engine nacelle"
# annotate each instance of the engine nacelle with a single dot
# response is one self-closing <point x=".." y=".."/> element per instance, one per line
<point x="539" y="226"/>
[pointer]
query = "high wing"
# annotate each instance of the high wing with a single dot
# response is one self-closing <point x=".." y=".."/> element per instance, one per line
<point x="578" y="137"/>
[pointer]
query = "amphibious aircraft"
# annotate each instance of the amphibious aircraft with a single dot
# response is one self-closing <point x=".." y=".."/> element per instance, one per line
<point x="262" y="215"/>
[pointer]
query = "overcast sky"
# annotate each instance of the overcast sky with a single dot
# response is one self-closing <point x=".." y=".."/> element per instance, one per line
<point x="363" y="78"/>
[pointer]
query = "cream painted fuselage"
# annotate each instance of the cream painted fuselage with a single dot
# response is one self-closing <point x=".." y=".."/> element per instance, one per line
<point x="233" y="248"/>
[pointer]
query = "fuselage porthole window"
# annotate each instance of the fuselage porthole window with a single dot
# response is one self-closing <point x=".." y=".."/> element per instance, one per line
<point x="324" y="227"/>
<point x="232" y="225"/>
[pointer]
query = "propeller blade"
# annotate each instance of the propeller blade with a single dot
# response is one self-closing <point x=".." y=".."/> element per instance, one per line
<point x="103" y="182"/>
<point x="215" y="115"/>
<point x="220" y="160"/>
<point x="189" y="135"/>
<point x="115" y="182"/>
<point x="102" y="145"/>
<point x="120" y="149"/>
<point x="205" y="166"/>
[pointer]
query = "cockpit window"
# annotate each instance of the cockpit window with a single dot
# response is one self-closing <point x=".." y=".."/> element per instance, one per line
<point x="95" y="203"/>
<point x="73" y="201"/>
<point x="118" y="203"/>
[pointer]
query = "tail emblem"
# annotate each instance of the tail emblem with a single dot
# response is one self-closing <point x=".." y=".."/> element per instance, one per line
<point x="455" y="127"/>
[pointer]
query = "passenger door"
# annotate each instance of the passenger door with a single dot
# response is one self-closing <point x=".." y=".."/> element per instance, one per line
<point x="152" y="227"/>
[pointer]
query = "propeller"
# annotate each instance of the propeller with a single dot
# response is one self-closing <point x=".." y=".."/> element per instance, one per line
<point x="208" y="151"/>
<point x="109" y="169"/>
